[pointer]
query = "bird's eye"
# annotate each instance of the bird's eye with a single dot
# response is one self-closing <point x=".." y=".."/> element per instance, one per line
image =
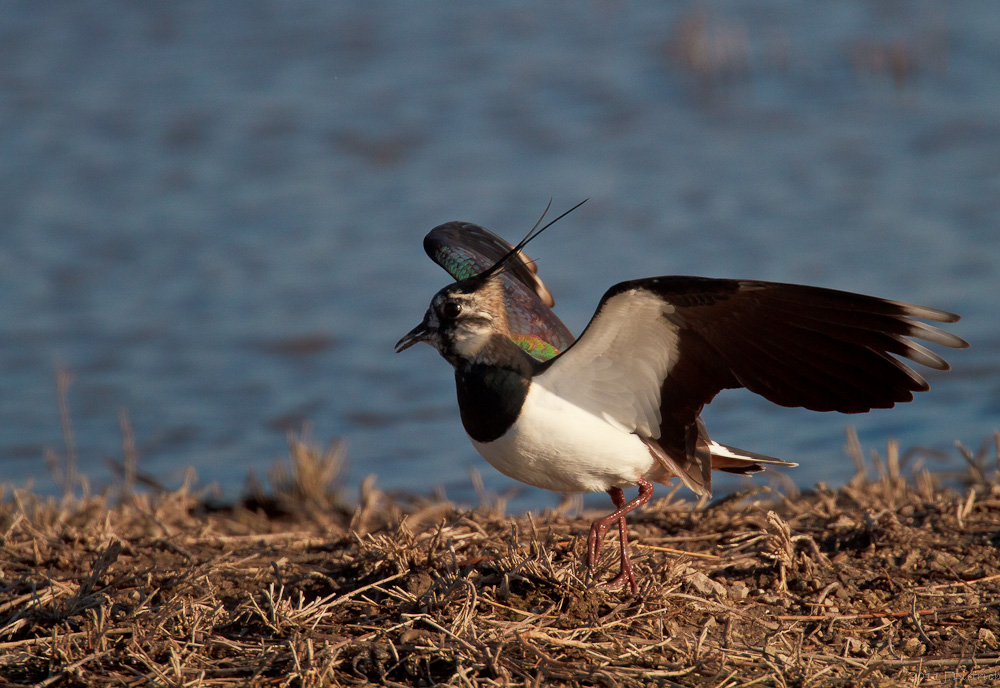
<point x="450" y="310"/>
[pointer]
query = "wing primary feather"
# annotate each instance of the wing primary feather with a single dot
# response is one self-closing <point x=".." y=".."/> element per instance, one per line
<point x="852" y="347"/>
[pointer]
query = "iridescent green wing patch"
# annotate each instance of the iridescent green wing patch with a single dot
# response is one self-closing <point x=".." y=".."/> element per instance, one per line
<point x="537" y="347"/>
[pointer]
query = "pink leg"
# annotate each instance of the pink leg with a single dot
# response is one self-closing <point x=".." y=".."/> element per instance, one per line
<point x="600" y="527"/>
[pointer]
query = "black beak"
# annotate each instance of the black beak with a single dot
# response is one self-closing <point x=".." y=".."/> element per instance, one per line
<point x="420" y="333"/>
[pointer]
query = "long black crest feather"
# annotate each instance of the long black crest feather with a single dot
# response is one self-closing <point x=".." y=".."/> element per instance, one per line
<point x="498" y="267"/>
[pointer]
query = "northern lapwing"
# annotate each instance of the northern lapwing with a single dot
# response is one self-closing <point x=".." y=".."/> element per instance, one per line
<point x="621" y="405"/>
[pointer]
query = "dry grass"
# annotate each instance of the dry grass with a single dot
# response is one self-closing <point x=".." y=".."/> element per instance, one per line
<point x="885" y="581"/>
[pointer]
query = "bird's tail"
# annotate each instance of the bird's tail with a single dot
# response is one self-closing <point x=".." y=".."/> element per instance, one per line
<point x="694" y="468"/>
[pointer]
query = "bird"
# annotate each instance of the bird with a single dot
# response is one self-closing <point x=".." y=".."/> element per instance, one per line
<point x="620" y="406"/>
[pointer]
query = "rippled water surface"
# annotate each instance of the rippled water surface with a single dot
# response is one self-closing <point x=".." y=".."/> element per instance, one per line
<point x="213" y="211"/>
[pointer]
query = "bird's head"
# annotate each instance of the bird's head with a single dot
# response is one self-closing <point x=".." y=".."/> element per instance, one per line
<point x="461" y="319"/>
<point x="465" y="315"/>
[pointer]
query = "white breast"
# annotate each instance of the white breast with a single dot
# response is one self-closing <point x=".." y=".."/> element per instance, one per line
<point x="558" y="446"/>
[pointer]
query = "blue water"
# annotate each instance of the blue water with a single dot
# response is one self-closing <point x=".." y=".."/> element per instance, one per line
<point x="212" y="212"/>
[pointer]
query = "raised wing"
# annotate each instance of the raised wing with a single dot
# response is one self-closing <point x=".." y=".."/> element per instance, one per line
<point x="464" y="249"/>
<point x="657" y="350"/>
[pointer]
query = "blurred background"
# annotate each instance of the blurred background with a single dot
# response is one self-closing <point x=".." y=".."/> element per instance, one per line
<point x="212" y="212"/>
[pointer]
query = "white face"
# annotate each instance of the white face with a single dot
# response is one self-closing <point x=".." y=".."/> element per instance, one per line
<point x="462" y="323"/>
<point x="461" y="319"/>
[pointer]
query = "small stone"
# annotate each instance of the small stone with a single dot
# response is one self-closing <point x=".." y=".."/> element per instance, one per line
<point x="914" y="647"/>
<point x="705" y="585"/>
<point x="739" y="591"/>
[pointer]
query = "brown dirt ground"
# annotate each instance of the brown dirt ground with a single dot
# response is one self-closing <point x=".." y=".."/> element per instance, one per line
<point x="888" y="581"/>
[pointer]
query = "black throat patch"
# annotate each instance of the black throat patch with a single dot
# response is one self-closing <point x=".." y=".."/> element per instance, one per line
<point x="491" y="392"/>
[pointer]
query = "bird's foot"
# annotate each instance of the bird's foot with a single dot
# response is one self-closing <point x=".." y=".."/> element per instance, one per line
<point x="597" y="532"/>
<point x="600" y="527"/>
<point x="625" y="576"/>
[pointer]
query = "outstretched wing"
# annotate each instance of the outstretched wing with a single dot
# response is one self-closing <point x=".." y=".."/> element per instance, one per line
<point x="464" y="250"/>
<point x="657" y="350"/>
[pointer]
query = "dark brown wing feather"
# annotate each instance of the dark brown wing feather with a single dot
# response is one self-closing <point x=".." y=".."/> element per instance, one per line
<point x="821" y="349"/>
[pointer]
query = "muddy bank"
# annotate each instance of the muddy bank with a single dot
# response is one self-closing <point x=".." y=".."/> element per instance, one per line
<point x="893" y="579"/>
